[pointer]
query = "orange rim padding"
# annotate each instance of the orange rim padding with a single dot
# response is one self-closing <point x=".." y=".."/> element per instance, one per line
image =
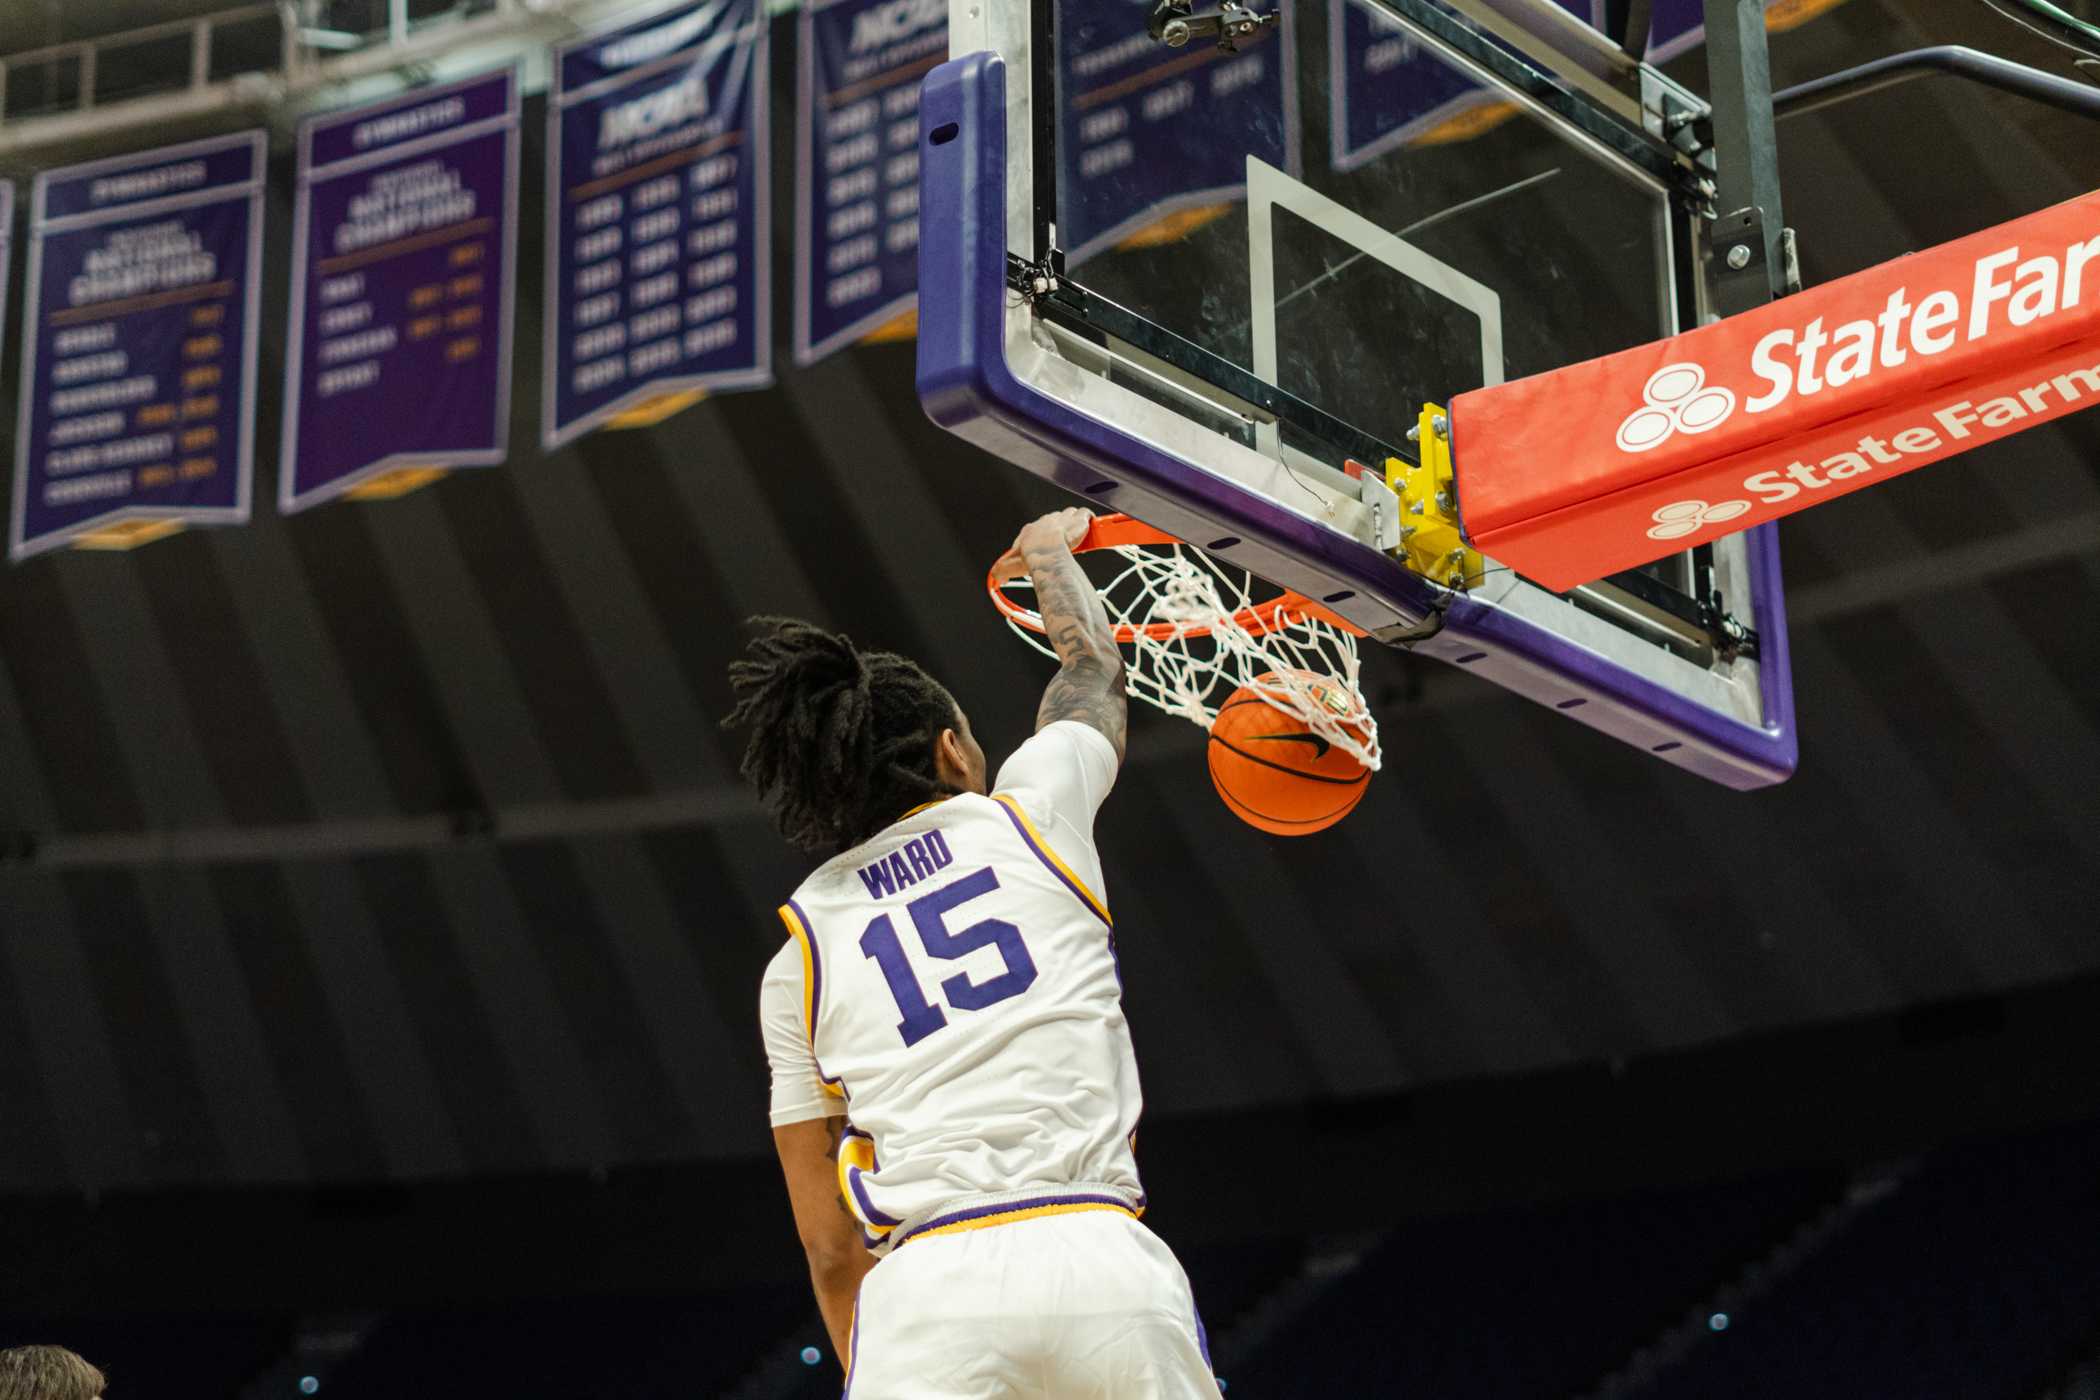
<point x="1110" y="531"/>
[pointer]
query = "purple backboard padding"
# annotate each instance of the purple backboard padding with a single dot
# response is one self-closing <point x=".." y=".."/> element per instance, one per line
<point x="966" y="387"/>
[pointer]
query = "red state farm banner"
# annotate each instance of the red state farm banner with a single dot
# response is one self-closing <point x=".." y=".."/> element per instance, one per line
<point x="1574" y="474"/>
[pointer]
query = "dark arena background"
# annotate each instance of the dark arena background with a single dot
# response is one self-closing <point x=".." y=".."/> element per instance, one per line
<point x="381" y="915"/>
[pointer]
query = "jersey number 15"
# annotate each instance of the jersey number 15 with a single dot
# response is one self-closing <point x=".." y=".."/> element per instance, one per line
<point x="929" y="914"/>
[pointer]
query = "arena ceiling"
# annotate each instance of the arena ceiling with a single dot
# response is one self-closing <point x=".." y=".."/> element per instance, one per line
<point x="399" y="840"/>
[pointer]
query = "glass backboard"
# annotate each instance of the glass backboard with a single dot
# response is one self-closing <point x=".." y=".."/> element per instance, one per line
<point x="1206" y="286"/>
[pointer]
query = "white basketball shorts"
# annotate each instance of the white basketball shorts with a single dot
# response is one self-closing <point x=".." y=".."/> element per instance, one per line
<point x="1074" y="1305"/>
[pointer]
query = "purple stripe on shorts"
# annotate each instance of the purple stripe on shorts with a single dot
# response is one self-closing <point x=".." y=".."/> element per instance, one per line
<point x="852" y="1346"/>
<point x="1008" y="1208"/>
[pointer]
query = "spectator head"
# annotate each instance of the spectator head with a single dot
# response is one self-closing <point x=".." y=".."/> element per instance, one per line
<point x="47" y="1373"/>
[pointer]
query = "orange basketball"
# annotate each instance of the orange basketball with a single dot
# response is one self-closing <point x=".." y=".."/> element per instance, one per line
<point x="1275" y="773"/>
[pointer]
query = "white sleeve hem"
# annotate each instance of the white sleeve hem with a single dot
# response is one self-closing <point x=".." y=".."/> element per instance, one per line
<point x="784" y="1115"/>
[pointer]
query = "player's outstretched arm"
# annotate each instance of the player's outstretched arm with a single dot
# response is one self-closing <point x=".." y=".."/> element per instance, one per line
<point x="1088" y="686"/>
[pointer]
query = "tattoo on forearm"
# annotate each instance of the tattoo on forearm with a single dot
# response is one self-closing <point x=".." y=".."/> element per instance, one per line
<point x="1089" y="684"/>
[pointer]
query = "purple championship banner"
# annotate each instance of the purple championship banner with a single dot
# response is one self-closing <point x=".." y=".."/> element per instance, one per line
<point x="404" y="262"/>
<point x="138" y="346"/>
<point x="1138" y="123"/>
<point x="1385" y="89"/>
<point x="857" y="164"/>
<point x="659" y="216"/>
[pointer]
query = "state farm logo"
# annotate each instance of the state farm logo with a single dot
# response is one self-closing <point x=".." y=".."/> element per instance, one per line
<point x="1677" y="399"/>
<point x="1680" y="518"/>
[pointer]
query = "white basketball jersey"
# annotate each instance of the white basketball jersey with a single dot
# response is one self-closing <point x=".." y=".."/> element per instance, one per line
<point x="961" y="995"/>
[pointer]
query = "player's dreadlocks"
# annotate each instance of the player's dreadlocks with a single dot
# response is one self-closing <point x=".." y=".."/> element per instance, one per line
<point x="842" y="740"/>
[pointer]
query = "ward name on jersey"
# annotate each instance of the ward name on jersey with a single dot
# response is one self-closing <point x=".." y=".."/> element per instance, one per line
<point x="951" y="987"/>
<point x="920" y="858"/>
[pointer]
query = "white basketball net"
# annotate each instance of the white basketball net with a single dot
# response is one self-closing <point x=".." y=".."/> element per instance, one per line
<point x="1162" y="601"/>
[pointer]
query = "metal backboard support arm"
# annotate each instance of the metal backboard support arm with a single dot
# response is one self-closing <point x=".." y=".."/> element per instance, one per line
<point x="1626" y="23"/>
<point x="1748" y="242"/>
<point x="1986" y="69"/>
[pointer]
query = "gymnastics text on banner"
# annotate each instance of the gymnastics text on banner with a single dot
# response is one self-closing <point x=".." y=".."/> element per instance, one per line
<point x="1138" y="141"/>
<point x="403" y="265"/>
<point x="1385" y="88"/>
<point x="138" y="346"/>
<point x="1580" y="472"/>
<point x="858" y="67"/>
<point x="660" y="282"/>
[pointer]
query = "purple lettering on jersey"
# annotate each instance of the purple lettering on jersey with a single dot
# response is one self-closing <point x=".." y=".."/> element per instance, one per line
<point x="878" y="879"/>
<point x="929" y="914"/>
<point x="901" y="871"/>
<point x="922" y="858"/>
<point x="879" y="941"/>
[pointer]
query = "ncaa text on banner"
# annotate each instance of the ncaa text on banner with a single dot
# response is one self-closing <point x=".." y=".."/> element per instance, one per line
<point x="858" y="69"/>
<point x="139" y="336"/>
<point x="658" y="218"/>
<point x="1574" y="474"/>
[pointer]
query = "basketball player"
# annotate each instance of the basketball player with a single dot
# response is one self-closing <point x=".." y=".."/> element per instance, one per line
<point x="954" y="1096"/>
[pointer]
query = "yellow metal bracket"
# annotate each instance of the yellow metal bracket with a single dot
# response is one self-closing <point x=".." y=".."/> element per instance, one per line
<point x="1430" y="542"/>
